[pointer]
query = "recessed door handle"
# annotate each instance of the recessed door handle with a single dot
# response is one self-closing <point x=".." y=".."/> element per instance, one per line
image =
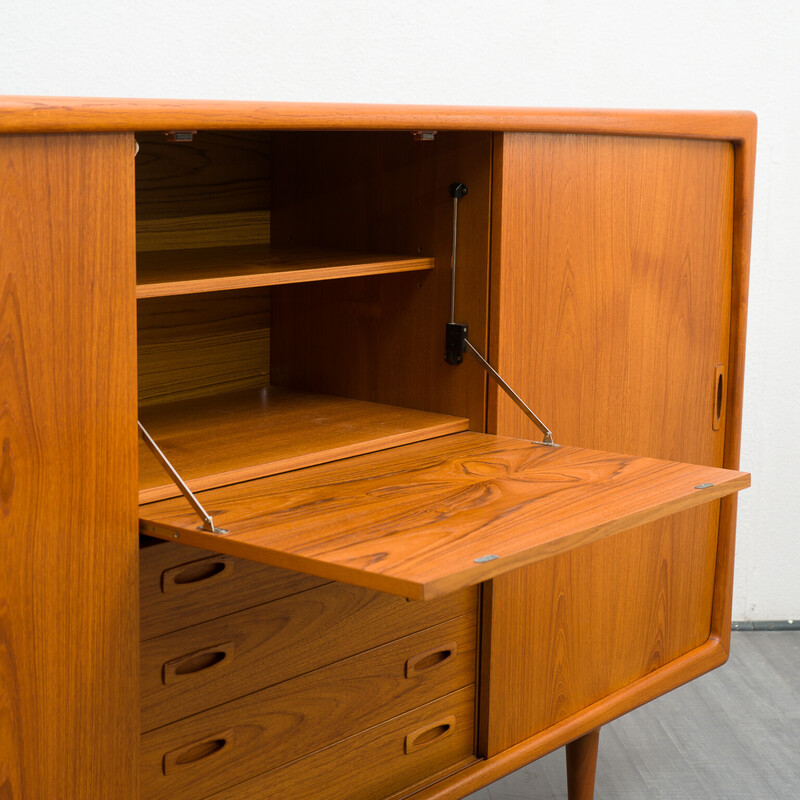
<point x="719" y="396"/>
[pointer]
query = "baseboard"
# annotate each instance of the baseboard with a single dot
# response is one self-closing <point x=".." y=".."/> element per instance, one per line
<point x="767" y="625"/>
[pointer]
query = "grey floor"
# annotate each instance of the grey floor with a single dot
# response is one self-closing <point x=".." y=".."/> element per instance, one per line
<point x="733" y="734"/>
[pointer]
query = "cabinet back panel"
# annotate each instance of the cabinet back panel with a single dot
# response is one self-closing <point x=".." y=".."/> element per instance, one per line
<point x="217" y="172"/>
<point x="382" y="339"/>
<point x="195" y="345"/>
<point x="212" y="191"/>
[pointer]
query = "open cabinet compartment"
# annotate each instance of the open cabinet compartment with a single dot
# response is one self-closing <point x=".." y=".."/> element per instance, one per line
<point x="411" y="503"/>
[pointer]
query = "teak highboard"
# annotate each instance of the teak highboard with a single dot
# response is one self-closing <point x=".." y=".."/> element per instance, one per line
<point x="404" y="592"/>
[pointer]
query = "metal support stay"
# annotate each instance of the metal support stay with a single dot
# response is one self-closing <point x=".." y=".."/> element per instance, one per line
<point x="548" y="436"/>
<point x="456" y="341"/>
<point x="208" y="522"/>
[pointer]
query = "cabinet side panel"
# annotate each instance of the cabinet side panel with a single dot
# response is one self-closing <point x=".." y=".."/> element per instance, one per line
<point x="68" y="549"/>
<point x="610" y="312"/>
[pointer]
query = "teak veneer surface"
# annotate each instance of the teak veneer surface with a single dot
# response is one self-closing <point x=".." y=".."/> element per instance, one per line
<point x="202" y="344"/>
<point x="412" y="520"/>
<point x="182" y="586"/>
<point x="68" y="613"/>
<point x="279" y="640"/>
<point x="631" y="243"/>
<point x="173" y="272"/>
<point x="214" y="441"/>
<point x="32" y="113"/>
<point x="293" y="719"/>
<point x="375" y="763"/>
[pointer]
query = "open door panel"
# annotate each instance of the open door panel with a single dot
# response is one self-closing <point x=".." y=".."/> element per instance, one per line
<point x="432" y="517"/>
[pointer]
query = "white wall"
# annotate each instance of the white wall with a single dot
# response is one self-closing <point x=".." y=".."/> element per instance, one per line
<point x="715" y="54"/>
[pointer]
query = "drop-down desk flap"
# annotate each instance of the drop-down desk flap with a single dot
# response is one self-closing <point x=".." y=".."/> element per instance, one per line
<point x="428" y="518"/>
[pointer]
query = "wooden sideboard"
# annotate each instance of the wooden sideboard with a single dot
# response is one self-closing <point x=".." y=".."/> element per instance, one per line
<point x="410" y="595"/>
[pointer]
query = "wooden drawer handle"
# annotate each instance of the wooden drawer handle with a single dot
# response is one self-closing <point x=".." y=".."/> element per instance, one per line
<point x="431" y="659"/>
<point x="200" y="752"/>
<point x="434" y="732"/>
<point x="211" y="658"/>
<point x="203" y="573"/>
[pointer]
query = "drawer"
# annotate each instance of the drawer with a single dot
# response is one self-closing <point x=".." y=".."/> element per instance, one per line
<point x="377" y="762"/>
<point x="209" y="664"/>
<point x="181" y="586"/>
<point x="236" y="741"/>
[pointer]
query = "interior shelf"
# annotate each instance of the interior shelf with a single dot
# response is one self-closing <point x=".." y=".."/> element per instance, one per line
<point x="432" y="517"/>
<point x="222" y="439"/>
<point x="175" y="272"/>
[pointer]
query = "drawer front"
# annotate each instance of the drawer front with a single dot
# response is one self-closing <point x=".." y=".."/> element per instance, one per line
<point x="197" y="668"/>
<point x="181" y="586"/>
<point x="236" y="741"/>
<point x="376" y="763"/>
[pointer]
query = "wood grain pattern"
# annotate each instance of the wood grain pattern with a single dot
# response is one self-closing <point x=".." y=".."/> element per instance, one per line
<point x="181" y="586"/>
<point x="412" y="520"/>
<point x="281" y="640"/>
<point x="173" y="272"/>
<point x="329" y="774"/>
<point x="28" y="114"/>
<point x="202" y="344"/>
<point x="216" y="173"/>
<point x="581" y="766"/>
<point x="743" y="179"/>
<point x="473" y="777"/>
<point x="654" y="588"/>
<point x="630" y="243"/>
<point x="297" y="717"/>
<point x="203" y="230"/>
<point x="384" y="337"/>
<point x="68" y="600"/>
<point x="627" y="251"/>
<point x="235" y="437"/>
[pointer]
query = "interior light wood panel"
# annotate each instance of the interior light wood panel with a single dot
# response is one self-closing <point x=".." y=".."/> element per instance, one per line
<point x="420" y="520"/>
<point x="217" y="172"/>
<point x="68" y="594"/>
<point x="202" y="345"/>
<point x="203" y="230"/>
<point x="626" y="261"/>
<point x="382" y="339"/>
<point x="174" y="272"/>
<point x="215" y="441"/>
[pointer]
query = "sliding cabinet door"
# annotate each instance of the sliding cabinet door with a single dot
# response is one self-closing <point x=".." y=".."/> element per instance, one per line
<point x="611" y="274"/>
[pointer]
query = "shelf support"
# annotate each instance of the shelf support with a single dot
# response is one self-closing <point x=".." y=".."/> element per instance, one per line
<point x="457" y="342"/>
<point x="208" y="522"/>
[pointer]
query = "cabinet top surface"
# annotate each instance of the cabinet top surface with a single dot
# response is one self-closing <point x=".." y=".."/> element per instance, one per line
<point x="19" y="114"/>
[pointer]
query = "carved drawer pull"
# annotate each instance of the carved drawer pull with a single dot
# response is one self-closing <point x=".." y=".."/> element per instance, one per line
<point x="431" y="733"/>
<point x="200" y="752"/>
<point x="194" y="663"/>
<point x="197" y="573"/>
<point x="431" y="659"/>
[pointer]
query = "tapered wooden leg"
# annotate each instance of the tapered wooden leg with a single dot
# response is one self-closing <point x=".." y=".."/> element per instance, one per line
<point x="581" y="763"/>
